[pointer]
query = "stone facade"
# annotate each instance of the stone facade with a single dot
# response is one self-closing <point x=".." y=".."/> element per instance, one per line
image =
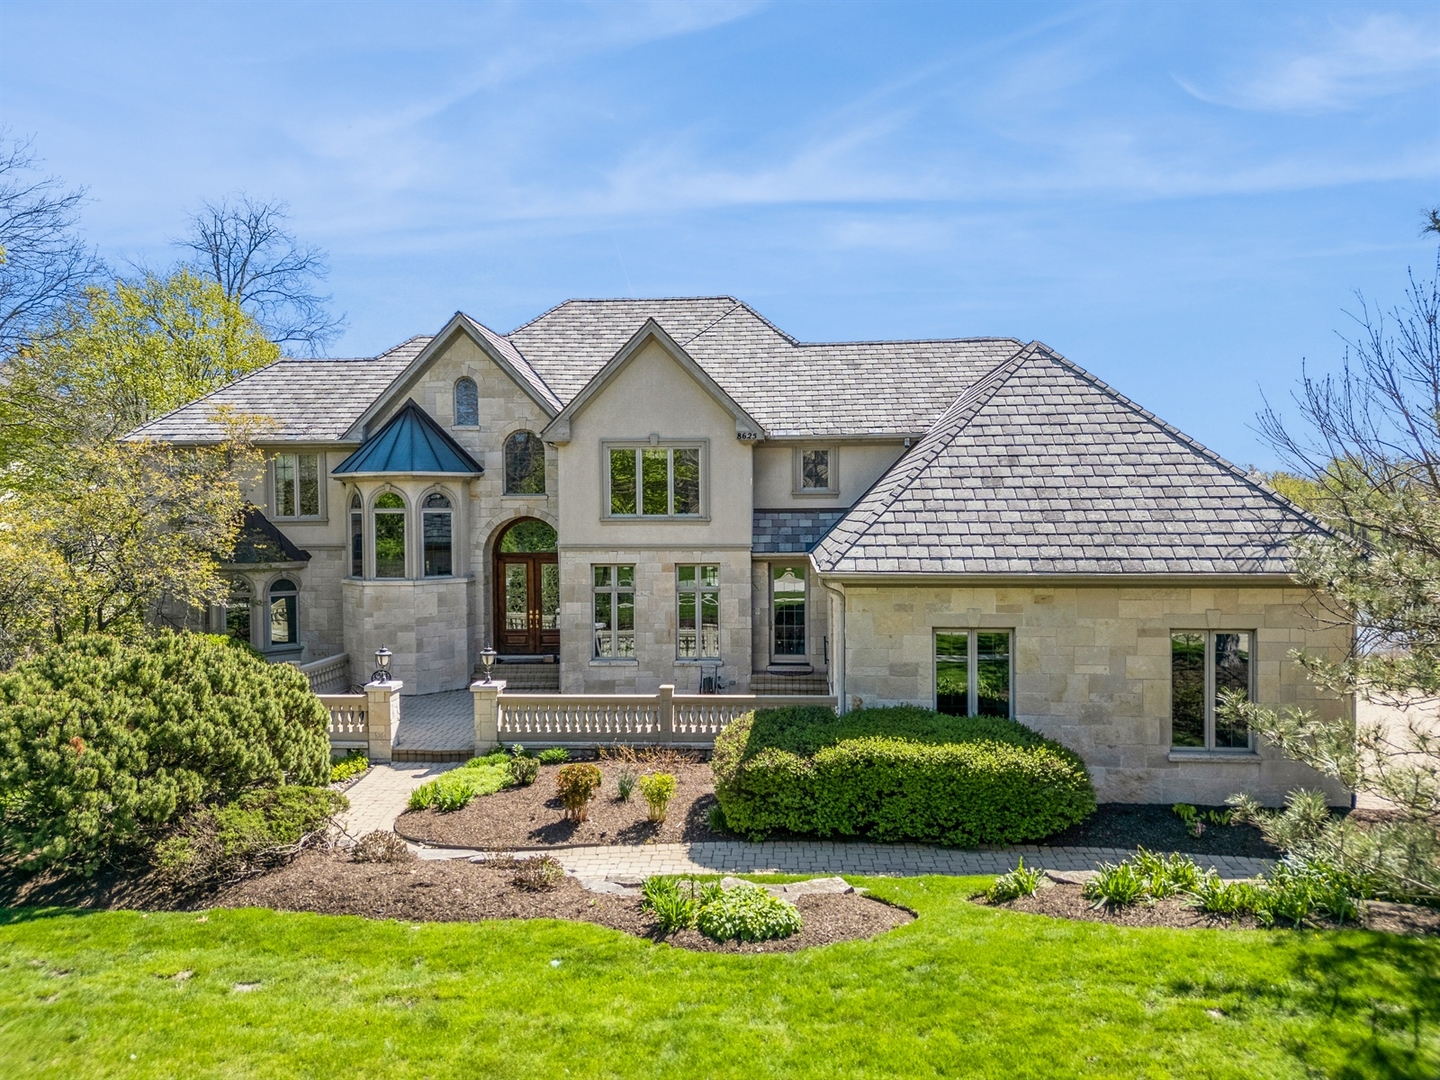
<point x="1091" y="669"/>
<point x="424" y="623"/>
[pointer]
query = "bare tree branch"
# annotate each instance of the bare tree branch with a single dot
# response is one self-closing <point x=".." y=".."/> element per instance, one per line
<point x="43" y="262"/>
<point x="246" y="248"/>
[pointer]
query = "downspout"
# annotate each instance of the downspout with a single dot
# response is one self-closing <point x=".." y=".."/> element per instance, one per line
<point x="837" y="646"/>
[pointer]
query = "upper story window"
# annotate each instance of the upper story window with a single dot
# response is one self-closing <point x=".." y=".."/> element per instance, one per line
<point x="467" y="403"/>
<point x="1204" y="666"/>
<point x="972" y="672"/>
<point x="297" y="485"/>
<point x="357" y="536"/>
<point x="815" y="470"/>
<point x="697" y="593"/>
<point x="389" y="535"/>
<point x="435" y="524"/>
<point x="654" y="481"/>
<point x="284" y="613"/>
<point x="524" y="464"/>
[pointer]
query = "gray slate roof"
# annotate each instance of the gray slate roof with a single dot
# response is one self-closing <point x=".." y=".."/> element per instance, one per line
<point x="309" y="400"/>
<point x="791" y="531"/>
<point x="1040" y="468"/>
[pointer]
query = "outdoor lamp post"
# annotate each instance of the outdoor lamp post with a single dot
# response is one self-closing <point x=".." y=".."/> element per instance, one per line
<point x="382" y="665"/>
<point x="487" y="660"/>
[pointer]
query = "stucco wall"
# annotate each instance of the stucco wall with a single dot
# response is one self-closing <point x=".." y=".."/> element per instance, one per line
<point x="860" y="464"/>
<point x="1092" y="669"/>
<point x="655" y="621"/>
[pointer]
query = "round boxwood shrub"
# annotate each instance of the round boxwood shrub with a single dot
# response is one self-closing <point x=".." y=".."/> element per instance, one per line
<point x="900" y="773"/>
<point x="103" y="742"/>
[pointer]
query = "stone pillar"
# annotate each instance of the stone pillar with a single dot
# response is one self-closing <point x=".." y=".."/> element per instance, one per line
<point x="382" y="717"/>
<point x="487" y="714"/>
<point x="667" y="709"/>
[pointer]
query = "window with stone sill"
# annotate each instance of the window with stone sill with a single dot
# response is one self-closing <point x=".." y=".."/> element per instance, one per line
<point x="654" y="481"/>
<point x="613" y="598"/>
<point x="973" y="672"/>
<point x="1205" y="665"/>
<point x="467" y="402"/>
<point x="297" y="485"/>
<point x="697" y="593"/>
<point x="284" y="614"/>
<point x="816" y="470"/>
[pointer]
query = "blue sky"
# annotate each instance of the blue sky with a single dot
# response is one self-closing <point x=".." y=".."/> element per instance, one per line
<point x="1180" y="197"/>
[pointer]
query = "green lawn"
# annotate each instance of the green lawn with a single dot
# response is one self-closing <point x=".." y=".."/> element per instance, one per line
<point x="963" y="991"/>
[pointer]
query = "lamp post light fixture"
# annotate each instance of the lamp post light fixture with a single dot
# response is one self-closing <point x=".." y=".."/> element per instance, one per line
<point x="487" y="661"/>
<point x="382" y="665"/>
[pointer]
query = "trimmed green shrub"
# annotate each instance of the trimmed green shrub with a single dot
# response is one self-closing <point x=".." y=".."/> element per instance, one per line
<point x="455" y="789"/>
<point x="902" y="773"/>
<point x="104" y="742"/>
<point x="749" y="913"/>
<point x="576" y="785"/>
<point x="658" y="789"/>
<point x="556" y="755"/>
<point x="523" y="771"/>
<point x="352" y="764"/>
<point x="255" y="831"/>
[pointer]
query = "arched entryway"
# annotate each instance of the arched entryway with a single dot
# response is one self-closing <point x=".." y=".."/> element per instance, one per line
<point x="527" y="589"/>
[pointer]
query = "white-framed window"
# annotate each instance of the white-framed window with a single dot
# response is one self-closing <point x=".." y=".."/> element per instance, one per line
<point x="1204" y="666"/>
<point x="697" y="622"/>
<point x="653" y="481"/>
<point x="435" y="527"/>
<point x="284" y="613"/>
<point x="614" y="612"/>
<point x="787" y="614"/>
<point x="973" y="672"/>
<point x="297" y="485"/>
<point x="467" y="402"/>
<point x="817" y="470"/>
<point x="389" y="514"/>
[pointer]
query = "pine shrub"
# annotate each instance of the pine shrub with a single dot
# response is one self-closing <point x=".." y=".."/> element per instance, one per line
<point x="902" y="773"/>
<point x="106" y="742"/>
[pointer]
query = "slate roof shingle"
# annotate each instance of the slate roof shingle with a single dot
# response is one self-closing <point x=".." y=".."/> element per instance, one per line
<point x="410" y="442"/>
<point x="260" y="543"/>
<point x="1040" y="468"/>
<point x="791" y="531"/>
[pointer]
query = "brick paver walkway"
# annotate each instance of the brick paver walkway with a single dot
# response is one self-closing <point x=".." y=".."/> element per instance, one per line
<point x="380" y="796"/>
<point x="620" y="862"/>
<point x="437" y="722"/>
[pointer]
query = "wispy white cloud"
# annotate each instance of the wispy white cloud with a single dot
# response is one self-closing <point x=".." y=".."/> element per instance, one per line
<point x="1382" y="54"/>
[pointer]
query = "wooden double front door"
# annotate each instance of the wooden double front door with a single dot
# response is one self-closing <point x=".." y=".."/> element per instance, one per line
<point x="527" y="603"/>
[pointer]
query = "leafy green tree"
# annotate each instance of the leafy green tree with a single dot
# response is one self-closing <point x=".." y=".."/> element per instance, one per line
<point x="120" y="357"/>
<point x="1364" y="456"/>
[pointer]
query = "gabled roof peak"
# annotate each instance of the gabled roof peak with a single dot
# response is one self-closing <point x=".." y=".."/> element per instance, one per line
<point x="410" y="442"/>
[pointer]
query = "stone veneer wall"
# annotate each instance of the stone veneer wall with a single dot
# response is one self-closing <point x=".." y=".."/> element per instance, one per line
<point x="655" y="622"/>
<point x="1092" y="669"/>
<point x="425" y="623"/>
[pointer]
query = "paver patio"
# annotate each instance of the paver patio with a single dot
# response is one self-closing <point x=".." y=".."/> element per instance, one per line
<point x="437" y="723"/>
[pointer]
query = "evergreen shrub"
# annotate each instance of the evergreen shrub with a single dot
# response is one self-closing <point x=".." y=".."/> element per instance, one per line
<point x="901" y="773"/>
<point x="105" y="742"/>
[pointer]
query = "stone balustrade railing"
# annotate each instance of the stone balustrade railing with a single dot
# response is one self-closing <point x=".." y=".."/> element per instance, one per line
<point x="330" y="675"/>
<point x="664" y="718"/>
<point x="365" y="721"/>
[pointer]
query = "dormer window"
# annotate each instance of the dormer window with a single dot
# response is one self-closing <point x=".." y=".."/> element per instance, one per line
<point x="654" y="481"/>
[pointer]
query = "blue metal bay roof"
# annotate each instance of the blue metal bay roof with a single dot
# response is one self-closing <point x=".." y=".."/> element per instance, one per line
<point x="410" y="443"/>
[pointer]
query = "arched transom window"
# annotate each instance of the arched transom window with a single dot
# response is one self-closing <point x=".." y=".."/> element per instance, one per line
<point x="524" y="464"/>
<point x="389" y="535"/>
<point x="467" y="403"/>
<point x="436" y="525"/>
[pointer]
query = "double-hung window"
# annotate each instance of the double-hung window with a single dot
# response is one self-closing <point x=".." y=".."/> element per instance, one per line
<point x="697" y="592"/>
<point x="297" y="485"/>
<point x="614" y="610"/>
<point x="654" y="481"/>
<point x="972" y="672"/>
<point x="1205" y="665"/>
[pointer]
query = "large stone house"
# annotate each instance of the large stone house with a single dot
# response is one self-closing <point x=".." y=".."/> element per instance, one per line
<point x="627" y="493"/>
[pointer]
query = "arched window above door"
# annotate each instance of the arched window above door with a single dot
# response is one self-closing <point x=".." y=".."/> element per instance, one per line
<point x="527" y="535"/>
<point x="524" y="464"/>
<point x="467" y="403"/>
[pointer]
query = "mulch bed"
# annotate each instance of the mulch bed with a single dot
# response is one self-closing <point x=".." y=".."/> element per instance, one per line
<point x="1131" y="825"/>
<point x="456" y="890"/>
<point x="533" y="816"/>
<point x="1066" y="902"/>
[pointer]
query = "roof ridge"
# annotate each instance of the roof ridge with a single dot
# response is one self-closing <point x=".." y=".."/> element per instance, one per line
<point x="906" y="341"/>
<point x="933" y="442"/>
<point x="1191" y="443"/>
<point x="712" y="323"/>
<point x="613" y="300"/>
